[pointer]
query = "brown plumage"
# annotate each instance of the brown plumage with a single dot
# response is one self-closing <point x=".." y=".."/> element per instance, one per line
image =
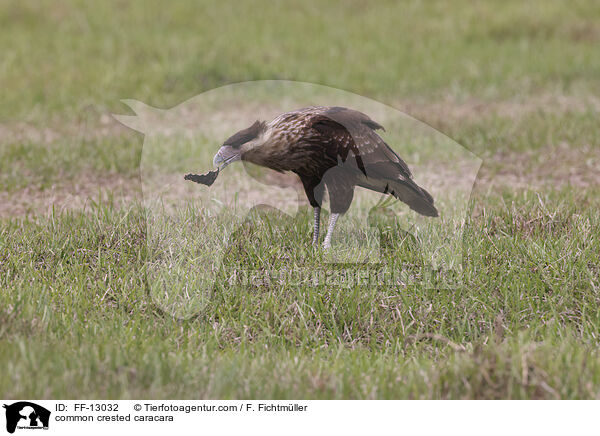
<point x="331" y="147"/>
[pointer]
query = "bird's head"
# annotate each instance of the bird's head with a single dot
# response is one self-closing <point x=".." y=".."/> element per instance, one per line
<point x="243" y="141"/>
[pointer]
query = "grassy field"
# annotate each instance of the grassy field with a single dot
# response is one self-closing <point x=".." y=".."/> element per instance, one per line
<point x="517" y="84"/>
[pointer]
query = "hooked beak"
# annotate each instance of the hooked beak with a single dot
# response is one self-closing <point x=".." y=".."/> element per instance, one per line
<point x="225" y="156"/>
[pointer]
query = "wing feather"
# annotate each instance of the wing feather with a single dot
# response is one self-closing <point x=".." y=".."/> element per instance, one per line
<point x="345" y="132"/>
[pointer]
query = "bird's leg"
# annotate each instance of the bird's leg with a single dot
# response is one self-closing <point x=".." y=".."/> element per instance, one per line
<point x="317" y="225"/>
<point x="332" y="220"/>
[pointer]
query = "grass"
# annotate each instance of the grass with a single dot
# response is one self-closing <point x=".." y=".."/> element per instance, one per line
<point x="78" y="309"/>
<point x="76" y="54"/>
<point x="512" y="82"/>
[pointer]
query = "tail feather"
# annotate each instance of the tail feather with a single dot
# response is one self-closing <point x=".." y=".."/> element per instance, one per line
<point x="417" y="198"/>
<point x="407" y="191"/>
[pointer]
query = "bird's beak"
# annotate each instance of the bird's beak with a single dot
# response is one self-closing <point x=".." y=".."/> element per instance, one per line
<point x="218" y="160"/>
<point x="225" y="156"/>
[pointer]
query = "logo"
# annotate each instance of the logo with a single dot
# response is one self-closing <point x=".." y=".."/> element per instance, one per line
<point x="195" y="233"/>
<point x="26" y="415"/>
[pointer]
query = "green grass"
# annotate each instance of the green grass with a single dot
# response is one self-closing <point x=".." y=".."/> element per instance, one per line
<point x="40" y="165"/>
<point x="75" y="295"/>
<point x="60" y="57"/>
<point x="77" y="307"/>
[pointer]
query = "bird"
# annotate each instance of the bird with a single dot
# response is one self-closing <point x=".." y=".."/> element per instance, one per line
<point x="330" y="147"/>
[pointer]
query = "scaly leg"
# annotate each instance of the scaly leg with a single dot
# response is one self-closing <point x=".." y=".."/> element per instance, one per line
<point x="317" y="225"/>
<point x="332" y="220"/>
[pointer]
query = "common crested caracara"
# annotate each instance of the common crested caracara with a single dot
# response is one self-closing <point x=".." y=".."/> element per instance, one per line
<point x="331" y="147"/>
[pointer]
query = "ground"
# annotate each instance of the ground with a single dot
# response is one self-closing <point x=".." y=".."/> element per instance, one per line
<point x="516" y="83"/>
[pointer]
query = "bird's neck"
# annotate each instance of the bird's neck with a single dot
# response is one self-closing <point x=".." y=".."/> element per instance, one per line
<point x="271" y="154"/>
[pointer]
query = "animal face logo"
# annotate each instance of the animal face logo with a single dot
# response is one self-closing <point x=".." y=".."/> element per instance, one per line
<point x="26" y="415"/>
<point x="193" y="229"/>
